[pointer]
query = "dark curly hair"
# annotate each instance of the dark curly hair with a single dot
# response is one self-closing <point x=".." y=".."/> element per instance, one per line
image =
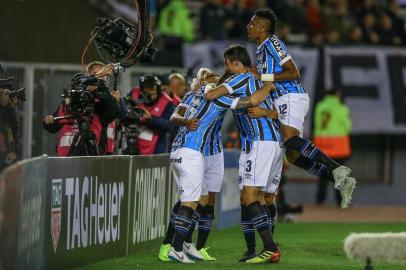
<point x="269" y="15"/>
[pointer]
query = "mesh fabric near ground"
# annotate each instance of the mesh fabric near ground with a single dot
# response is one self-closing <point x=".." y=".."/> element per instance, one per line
<point x="304" y="246"/>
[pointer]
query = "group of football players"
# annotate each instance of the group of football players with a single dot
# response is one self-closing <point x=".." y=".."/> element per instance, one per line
<point x="269" y="106"/>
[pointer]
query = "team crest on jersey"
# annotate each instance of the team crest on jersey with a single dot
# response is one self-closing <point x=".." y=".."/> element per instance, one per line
<point x="56" y="211"/>
<point x="196" y="102"/>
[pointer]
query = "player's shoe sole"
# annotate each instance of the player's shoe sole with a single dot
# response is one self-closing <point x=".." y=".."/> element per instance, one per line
<point x="346" y="192"/>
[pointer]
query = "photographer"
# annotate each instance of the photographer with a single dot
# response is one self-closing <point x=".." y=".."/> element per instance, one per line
<point x="84" y="112"/>
<point x="9" y="145"/>
<point x="157" y="109"/>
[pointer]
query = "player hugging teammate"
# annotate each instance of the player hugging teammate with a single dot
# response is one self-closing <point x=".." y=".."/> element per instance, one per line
<point x="197" y="158"/>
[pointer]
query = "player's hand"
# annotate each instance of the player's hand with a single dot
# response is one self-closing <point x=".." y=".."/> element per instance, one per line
<point x="192" y="124"/>
<point x="49" y="119"/>
<point x="270" y="84"/>
<point x="256" y="112"/>
<point x="272" y="114"/>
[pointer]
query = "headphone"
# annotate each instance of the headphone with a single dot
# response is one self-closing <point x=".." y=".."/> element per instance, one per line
<point x="150" y="78"/>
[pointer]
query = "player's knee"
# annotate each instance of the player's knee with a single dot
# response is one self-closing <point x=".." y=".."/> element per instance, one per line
<point x="288" y="132"/>
<point x="291" y="156"/>
<point x="269" y="198"/>
<point x="250" y="194"/>
<point x="261" y="197"/>
<point x="212" y="198"/>
<point x="242" y="199"/>
<point x="192" y="205"/>
<point x="204" y="199"/>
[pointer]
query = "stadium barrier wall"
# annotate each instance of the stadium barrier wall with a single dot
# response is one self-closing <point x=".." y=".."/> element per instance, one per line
<point x="60" y="213"/>
<point x="22" y="215"/>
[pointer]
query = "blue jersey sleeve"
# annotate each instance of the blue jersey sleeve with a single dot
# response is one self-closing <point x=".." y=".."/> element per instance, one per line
<point x="238" y="84"/>
<point x="186" y="101"/>
<point x="227" y="102"/>
<point x="276" y="48"/>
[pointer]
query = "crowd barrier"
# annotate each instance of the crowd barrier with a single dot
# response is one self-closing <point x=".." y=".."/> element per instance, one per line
<point x="60" y="213"/>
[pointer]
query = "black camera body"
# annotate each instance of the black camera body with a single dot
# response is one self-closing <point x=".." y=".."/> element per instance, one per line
<point x="19" y="94"/>
<point x="82" y="97"/>
<point x="125" y="42"/>
<point x="8" y="84"/>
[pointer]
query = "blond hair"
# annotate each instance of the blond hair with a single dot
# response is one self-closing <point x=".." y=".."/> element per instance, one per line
<point x="90" y="66"/>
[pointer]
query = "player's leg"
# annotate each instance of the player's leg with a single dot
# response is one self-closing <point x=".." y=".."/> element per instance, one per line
<point x="292" y="108"/>
<point x="205" y="224"/>
<point x="214" y="174"/>
<point x="259" y="218"/>
<point x="249" y="232"/>
<point x="188" y="246"/>
<point x="255" y="179"/>
<point x="246" y="225"/>
<point x="272" y="186"/>
<point x="271" y="207"/>
<point x="170" y="232"/>
<point x="190" y="171"/>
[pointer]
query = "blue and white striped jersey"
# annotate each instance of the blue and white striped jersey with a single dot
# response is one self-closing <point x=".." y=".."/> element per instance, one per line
<point x="207" y="137"/>
<point x="271" y="55"/>
<point x="258" y="129"/>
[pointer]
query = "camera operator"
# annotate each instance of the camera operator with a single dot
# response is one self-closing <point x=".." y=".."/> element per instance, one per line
<point x="154" y="124"/>
<point x="108" y="139"/>
<point x="9" y="144"/>
<point x="90" y="141"/>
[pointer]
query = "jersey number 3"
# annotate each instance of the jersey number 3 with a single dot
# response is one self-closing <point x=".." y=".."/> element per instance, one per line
<point x="249" y="164"/>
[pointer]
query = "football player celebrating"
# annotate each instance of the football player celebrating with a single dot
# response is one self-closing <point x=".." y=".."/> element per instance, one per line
<point x="275" y="64"/>
<point x="188" y="162"/>
<point x="261" y="153"/>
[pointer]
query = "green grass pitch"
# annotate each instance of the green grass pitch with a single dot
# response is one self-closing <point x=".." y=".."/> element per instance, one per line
<point x="303" y="245"/>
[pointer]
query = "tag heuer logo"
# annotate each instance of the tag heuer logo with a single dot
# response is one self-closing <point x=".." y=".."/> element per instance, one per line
<point x="56" y="211"/>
